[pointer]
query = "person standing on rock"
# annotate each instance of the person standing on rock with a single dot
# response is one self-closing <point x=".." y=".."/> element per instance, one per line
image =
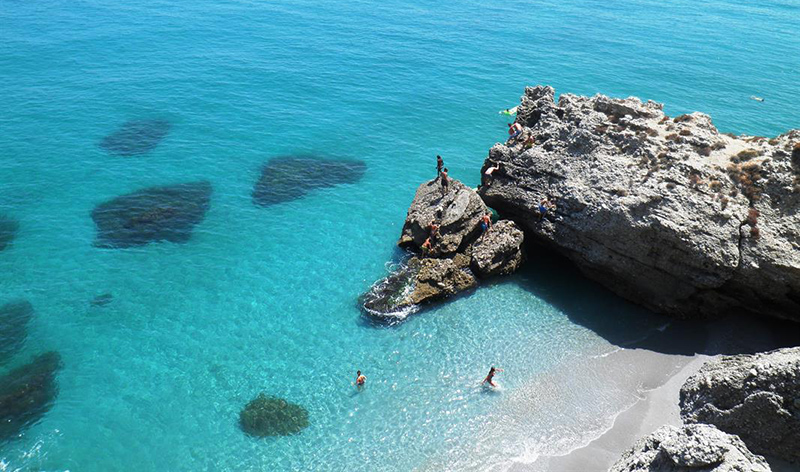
<point x="444" y="181"/>
<point x="486" y="223"/>
<point x="439" y="165"/>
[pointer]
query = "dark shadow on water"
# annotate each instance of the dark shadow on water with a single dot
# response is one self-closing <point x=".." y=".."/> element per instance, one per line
<point x="14" y="319"/>
<point x="556" y="280"/>
<point x="136" y="137"/>
<point x="8" y="231"/>
<point x="287" y="178"/>
<point x="27" y="394"/>
<point x="152" y="214"/>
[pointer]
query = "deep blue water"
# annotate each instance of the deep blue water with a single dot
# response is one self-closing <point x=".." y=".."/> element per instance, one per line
<point x="264" y="298"/>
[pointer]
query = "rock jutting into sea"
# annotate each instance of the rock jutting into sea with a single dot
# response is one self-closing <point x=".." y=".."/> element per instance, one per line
<point x="288" y="178"/>
<point x="756" y="397"/>
<point x="460" y="252"/>
<point x="271" y="416"/>
<point x="27" y="393"/>
<point x="667" y="212"/>
<point x="136" y="137"/>
<point x="14" y="319"/>
<point x="693" y="447"/>
<point x="8" y="231"/>
<point x="152" y="214"/>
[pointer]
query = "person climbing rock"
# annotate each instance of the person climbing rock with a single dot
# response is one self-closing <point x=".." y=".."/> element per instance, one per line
<point x="514" y="130"/>
<point x="530" y="142"/>
<point x="439" y="165"/>
<point x="486" y="223"/>
<point x="434" y="232"/>
<point x="427" y="246"/>
<point x="445" y="182"/>
<point x="544" y="206"/>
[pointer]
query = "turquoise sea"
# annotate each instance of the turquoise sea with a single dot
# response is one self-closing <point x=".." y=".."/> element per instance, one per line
<point x="265" y="299"/>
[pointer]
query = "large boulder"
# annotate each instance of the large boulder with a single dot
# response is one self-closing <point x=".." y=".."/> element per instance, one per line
<point x="458" y="214"/>
<point x="667" y="212"/>
<point x="756" y="397"/>
<point x="690" y="448"/>
<point x="499" y="250"/>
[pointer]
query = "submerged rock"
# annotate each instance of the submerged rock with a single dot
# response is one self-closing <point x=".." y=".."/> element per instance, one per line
<point x="136" y="137"/>
<point x="102" y="300"/>
<point x="27" y="393"/>
<point x="14" y="318"/>
<point x="458" y="214"/>
<point x="692" y="447"/>
<point x="666" y="212"/>
<point x="288" y="178"/>
<point x="153" y="214"/>
<point x="8" y="231"/>
<point x="418" y="281"/>
<point x="272" y="416"/>
<point x="499" y="250"/>
<point x="752" y="396"/>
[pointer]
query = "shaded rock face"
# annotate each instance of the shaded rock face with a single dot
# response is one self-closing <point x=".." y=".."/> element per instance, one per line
<point x="153" y="214"/>
<point x="418" y="281"/>
<point x="458" y="214"/>
<point x="499" y="250"/>
<point x="288" y="178"/>
<point x="14" y="319"/>
<point x="666" y="212"/>
<point x="136" y="137"/>
<point x="459" y="252"/>
<point x="8" y="231"/>
<point x="27" y="393"/>
<point x="272" y="416"/>
<point x="756" y="397"/>
<point x="688" y="448"/>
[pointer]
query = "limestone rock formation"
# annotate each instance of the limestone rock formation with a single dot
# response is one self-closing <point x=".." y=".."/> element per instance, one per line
<point x="667" y="212"/>
<point x="692" y="447"/>
<point x="459" y="253"/>
<point x="14" y="318"/>
<point x="458" y="214"/>
<point x="756" y="397"/>
<point x="136" y="137"/>
<point x="27" y="393"/>
<point x="287" y="178"/>
<point x="152" y="214"/>
<point x="499" y="250"/>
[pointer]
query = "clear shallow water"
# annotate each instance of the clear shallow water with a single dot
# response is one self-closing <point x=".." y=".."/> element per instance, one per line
<point x="265" y="299"/>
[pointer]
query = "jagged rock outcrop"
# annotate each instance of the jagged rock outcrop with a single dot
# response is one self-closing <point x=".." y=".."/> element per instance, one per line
<point x="499" y="250"/>
<point x="756" y="397"/>
<point x="692" y="447"/>
<point x="459" y="252"/>
<point x="458" y="214"/>
<point x="666" y="212"/>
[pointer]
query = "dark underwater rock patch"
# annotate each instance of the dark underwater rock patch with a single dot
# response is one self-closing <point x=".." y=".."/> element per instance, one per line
<point x="152" y="214"/>
<point x="272" y="416"/>
<point x="288" y="178"/>
<point x="8" y="231"/>
<point x="27" y="393"/>
<point x="102" y="300"/>
<point x="136" y="137"/>
<point x="14" y="318"/>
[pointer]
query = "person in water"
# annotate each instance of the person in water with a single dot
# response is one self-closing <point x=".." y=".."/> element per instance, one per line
<point x="489" y="377"/>
<point x="486" y="223"/>
<point x="514" y="130"/>
<point x="445" y="182"/>
<point x="361" y="379"/>
<point x="439" y="165"/>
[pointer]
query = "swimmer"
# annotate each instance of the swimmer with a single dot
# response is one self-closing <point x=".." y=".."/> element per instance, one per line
<point x="489" y="377"/>
<point x="361" y="379"/>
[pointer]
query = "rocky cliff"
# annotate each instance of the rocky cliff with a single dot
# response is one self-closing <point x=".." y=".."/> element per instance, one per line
<point x="667" y="212"/>
<point x="756" y="397"/>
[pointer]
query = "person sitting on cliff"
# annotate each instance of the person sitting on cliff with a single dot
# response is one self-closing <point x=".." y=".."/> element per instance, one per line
<point x="434" y="232"/>
<point x="530" y="142"/>
<point x="361" y="379"/>
<point x="514" y="130"/>
<point x="439" y="165"/>
<point x="486" y="223"/>
<point x="445" y="182"/>
<point x="544" y="206"/>
<point x="489" y="378"/>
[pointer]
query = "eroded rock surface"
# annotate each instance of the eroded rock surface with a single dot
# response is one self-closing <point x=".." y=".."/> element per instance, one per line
<point x="690" y="448"/>
<point x="136" y="137"/>
<point x="756" y="397"/>
<point x="499" y="250"/>
<point x="14" y="319"/>
<point x="288" y="178"/>
<point x="27" y="393"/>
<point x="152" y="214"/>
<point x="666" y="212"/>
